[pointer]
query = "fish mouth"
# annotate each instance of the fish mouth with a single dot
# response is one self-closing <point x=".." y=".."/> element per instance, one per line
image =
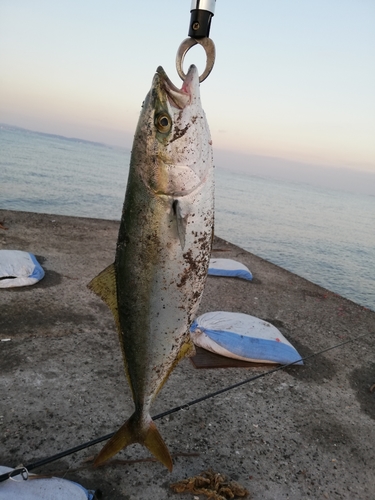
<point x="179" y="98"/>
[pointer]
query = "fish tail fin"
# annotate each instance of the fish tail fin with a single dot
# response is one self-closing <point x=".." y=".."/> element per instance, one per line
<point x="157" y="447"/>
<point x="139" y="431"/>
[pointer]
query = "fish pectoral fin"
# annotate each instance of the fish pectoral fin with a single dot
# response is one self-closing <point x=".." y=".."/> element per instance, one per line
<point x="182" y="216"/>
<point x="104" y="285"/>
<point x="136" y="430"/>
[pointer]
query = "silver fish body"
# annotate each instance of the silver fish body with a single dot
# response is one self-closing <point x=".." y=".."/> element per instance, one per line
<point x="155" y="285"/>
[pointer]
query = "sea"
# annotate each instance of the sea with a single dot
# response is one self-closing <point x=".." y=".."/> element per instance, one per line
<point x="323" y="235"/>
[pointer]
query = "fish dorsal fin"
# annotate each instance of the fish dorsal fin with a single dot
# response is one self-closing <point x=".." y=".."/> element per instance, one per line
<point x="104" y="285"/>
<point x="182" y="215"/>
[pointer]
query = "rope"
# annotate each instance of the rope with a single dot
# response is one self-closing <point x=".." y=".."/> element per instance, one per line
<point x="24" y="469"/>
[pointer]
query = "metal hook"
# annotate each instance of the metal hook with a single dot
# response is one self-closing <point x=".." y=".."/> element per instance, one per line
<point x="186" y="45"/>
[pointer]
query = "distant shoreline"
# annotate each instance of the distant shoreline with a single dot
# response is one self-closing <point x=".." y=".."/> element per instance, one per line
<point x="337" y="178"/>
<point x="62" y="137"/>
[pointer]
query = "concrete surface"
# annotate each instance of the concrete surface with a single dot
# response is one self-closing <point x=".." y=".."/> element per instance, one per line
<point x="303" y="432"/>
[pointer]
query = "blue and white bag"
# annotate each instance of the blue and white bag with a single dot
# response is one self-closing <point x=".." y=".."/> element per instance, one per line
<point x="19" y="268"/>
<point x="41" y="489"/>
<point x="229" y="267"/>
<point x="240" y="336"/>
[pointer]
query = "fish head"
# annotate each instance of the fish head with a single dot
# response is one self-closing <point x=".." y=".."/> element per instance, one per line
<point x="172" y="142"/>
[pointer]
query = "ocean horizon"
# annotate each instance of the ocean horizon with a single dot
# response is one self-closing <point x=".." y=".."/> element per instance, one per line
<point x="324" y="235"/>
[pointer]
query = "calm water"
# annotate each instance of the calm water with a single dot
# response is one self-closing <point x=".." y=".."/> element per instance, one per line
<point x="325" y="236"/>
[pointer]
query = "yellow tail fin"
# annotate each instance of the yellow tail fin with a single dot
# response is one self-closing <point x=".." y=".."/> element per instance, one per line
<point x="136" y="430"/>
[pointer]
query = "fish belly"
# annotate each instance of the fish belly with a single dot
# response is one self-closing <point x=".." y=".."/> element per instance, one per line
<point x="159" y="281"/>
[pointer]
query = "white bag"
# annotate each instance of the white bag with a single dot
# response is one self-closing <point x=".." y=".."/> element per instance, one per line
<point x="19" y="268"/>
<point x="240" y="336"/>
<point x="41" y="489"/>
<point x="229" y="267"/>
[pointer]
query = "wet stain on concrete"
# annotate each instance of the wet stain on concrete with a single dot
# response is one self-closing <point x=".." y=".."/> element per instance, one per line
<point x="25" y="318"/>
<point x="40" y="259"/>
<point x="317" y="369"/>
<point x="17" y="242"/>
<point x="10" y="360"/>
<point x="323" y="430"/>
<point x="361" y="379"/>
<point x="51" y="278"/>
<point x="313" y="294"/>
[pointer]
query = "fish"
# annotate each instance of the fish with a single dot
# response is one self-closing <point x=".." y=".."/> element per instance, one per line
<point x="164" y="244"/>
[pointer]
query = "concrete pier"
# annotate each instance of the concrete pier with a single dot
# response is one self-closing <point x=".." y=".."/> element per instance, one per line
<point x="303" y="432"/>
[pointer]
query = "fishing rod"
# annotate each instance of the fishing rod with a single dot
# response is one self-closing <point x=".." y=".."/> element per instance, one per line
<point x="24" y="470"/>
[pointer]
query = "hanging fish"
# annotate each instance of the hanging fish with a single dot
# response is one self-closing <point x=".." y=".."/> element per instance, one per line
<point x="155" y="285"/>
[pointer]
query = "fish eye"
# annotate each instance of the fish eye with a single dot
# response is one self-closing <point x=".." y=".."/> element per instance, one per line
<point x="163" y="123"/>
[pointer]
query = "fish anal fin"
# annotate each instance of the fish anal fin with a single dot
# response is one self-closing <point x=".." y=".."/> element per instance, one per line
<point x="136" y="430"/>
<point x="187" y="350"/>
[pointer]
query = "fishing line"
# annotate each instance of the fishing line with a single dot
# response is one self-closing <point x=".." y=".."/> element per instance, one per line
<point x="24" y="469"/>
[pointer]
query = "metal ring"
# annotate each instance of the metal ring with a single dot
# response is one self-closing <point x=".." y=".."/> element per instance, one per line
<point x="186" y="45"/>
<point x="19" y="471"/>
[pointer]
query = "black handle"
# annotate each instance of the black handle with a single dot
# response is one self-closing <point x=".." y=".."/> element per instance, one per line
<point x="201" y="13"/>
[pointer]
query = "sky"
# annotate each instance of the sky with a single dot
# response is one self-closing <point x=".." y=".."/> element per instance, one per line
<point x="293" y="79"/>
